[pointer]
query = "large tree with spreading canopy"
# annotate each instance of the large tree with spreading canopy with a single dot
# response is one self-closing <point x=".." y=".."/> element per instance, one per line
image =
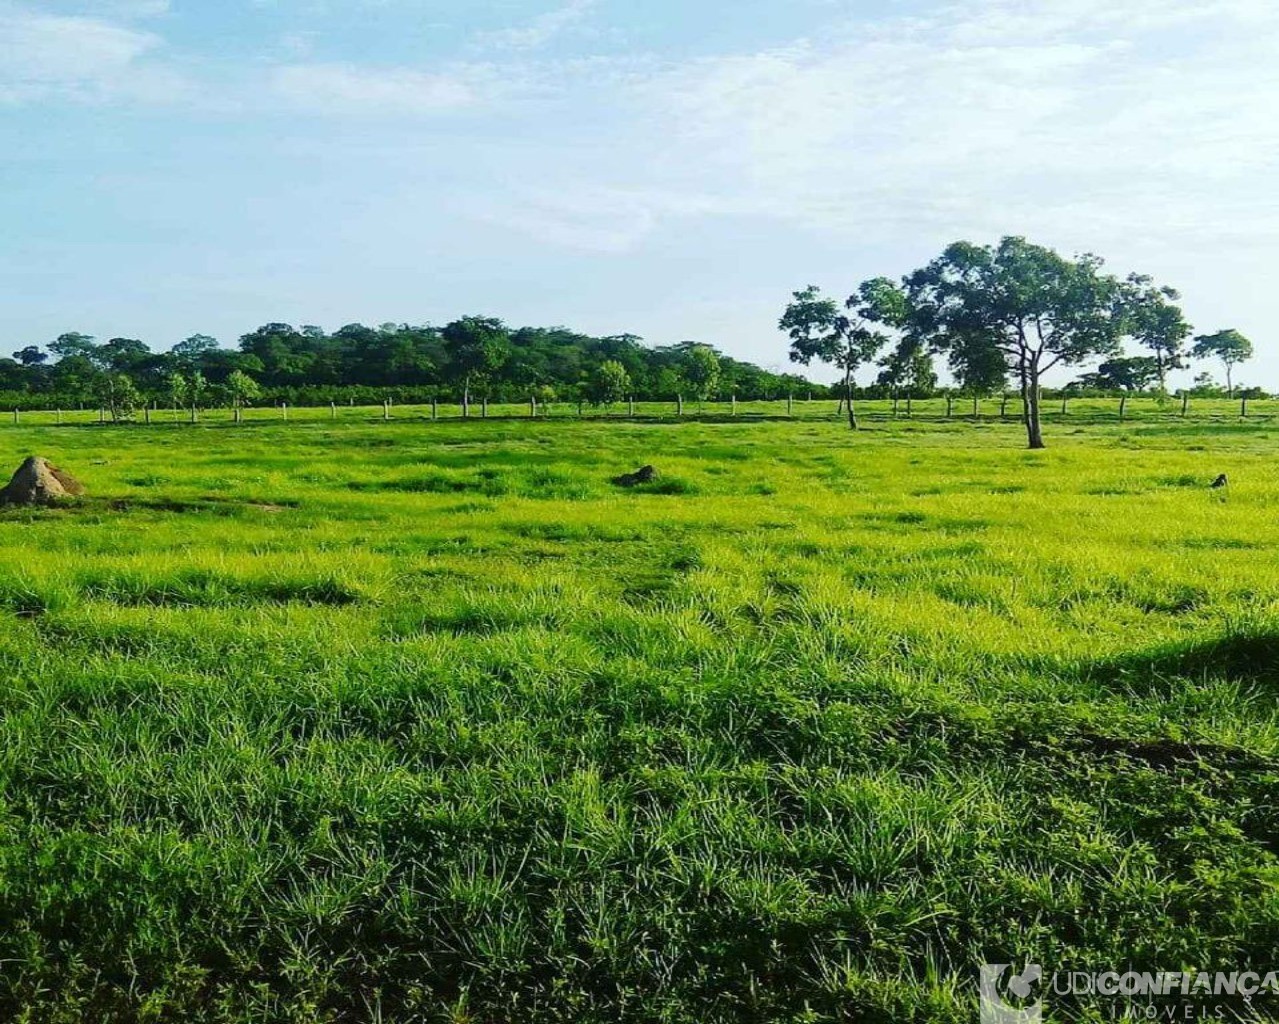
<point x="1019" y="301"/>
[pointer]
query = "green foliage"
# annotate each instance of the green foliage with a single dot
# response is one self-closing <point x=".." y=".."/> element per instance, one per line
<point x="477" y="346"/>
<point x="610" y="383"/>
<point x="1229" y="346"/>
<point x="242" y="388"/>
<point x="1123" y="373"/>
<point x="1023" y="301"/>
<point x="1155" y="322"/>
<point x="701" y="371"/>
<point x="819" y="330"/>
<point x="365" y="365"/>
<point x="118" y="395"/>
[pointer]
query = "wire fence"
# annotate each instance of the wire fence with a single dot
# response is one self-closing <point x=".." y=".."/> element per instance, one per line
<point x="1142" y="409"/>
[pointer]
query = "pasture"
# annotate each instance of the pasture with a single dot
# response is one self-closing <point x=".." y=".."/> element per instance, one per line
<point x="349" y="720"/>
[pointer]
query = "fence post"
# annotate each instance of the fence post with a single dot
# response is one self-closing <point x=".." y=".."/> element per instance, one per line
<point x="1243" y="408"/>
<point x="949" y="400"/>
<point x="59" y="415"/>
<point x="386" y="408"/>
<point x="734" y="404"/>
<point x="102" y="415"/>
<point x="484" y="407"/>
<point x="435" y="409"/>
<point x="909" y="413"/>
<point x="284" y="410"/>
<point x="679" y="405"/>
<point x="1123" y="406"/>
<point x="146" y="414"/>
<point x="630" y="403"/>
<point x="1003" y="406"/>
<point x="1185" y="403"/>
<point x="333" y="410"/>
<point x="236" y="413"/>
<point x="976" y="408"/>
<point x="579" y="408"/>
<point x="1063" y="405"/>
<point x="15" y="417"/>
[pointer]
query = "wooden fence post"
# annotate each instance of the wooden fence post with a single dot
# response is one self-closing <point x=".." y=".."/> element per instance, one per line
<point x="630" y="405"/>
<point x="949" y="400"/>
<point x="976" y="407"/>
<point x="579" y="408"/>
<point x="146" y="414"/>
<point x="1243" y="408"/>
<point x="1185" y="403"/>
<point x="532" y="406"/>
<point x="386" y="408"/>
<point x="908" y="406"/>
<point x="790" y="405"/>
<point x="734" y="404"/>
<point x="435" y="409"/>
<point x="1123" y="406"/>
<point x="484" y="407"/>
<point x="1003" y="406"/>
<point x="59" y="415"/>
<point x="679" y="405"/>
<point x="15" y="417"/>
<point x="1063" y="405"/>
<point x="333" y="410"/>
<point x="284" y="410"/>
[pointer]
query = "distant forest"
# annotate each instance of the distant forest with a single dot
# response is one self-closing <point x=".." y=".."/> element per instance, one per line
<point x="474" y="357"/>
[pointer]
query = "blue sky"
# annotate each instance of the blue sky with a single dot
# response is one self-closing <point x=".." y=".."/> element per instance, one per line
<point x="667" y="168"/>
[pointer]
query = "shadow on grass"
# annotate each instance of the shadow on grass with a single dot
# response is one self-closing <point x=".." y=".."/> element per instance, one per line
<point x="1244" y="657"/>
<point x="96" y="506"/>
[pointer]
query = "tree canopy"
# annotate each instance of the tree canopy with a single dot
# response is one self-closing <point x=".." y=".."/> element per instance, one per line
<point x="1229" y="346"/>
<point x="408" y="361"/>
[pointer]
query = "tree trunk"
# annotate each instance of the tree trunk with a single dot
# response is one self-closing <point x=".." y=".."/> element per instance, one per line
<point x="852" y="411"/>
<point x="1230" y="387"/>
<point x="1030" y="406"/>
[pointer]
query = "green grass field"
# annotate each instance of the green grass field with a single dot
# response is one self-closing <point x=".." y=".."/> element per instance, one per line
<point x="411" y="721"/>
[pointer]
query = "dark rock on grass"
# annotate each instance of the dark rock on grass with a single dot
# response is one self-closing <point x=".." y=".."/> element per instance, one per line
<point x="643" y="475"/>
<point x="38" y="482"/>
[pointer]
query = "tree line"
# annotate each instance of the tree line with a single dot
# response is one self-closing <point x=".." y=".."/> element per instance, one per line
<point x="1005" y="315"/>
<point x="473" y="357"/>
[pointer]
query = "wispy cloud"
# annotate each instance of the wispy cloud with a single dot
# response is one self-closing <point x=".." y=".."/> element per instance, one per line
<point x="541" y="30"/>
<point x="46" y="55"/>
<point x="990" y="115"/>
<point x="349" y="88"/>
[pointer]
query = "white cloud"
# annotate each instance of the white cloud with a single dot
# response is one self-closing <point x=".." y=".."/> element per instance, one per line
<point x="1078" y="117"/>
<point x="349" y="88"/>
<point x="49" y="55"/>
<point x="541" y="30"/>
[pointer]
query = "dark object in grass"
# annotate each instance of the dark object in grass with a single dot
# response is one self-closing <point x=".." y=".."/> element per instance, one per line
<point x="38" y="482"/>
<point x="1220" y="482"/>
<point x="643" y="475"/>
